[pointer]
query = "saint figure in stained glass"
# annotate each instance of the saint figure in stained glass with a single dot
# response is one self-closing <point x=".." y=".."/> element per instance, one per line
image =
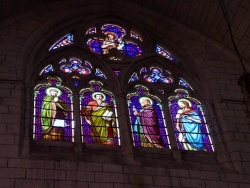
<point x="147" y="120"/>
<point x="147" y="125"/>
<point x="53" y="112"/>
<point x="114" y="39"/>
<point x="189" y="123"/>
<point x="111" y="41"/>
<point x="99" y="120"/>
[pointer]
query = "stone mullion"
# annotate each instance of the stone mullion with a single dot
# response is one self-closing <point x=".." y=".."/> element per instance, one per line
<point x="169" y="124"/>
<point x="77" y="121"/>
<point x="124" y="127"/>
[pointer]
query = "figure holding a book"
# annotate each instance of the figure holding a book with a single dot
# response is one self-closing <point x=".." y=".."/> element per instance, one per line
<point x="99" y="115"/>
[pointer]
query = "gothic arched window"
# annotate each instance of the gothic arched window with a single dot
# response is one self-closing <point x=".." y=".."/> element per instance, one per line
<point x="83" y="85"/>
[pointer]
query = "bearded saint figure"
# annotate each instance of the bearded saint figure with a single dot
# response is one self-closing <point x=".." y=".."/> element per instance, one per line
<point x="99" y="115"/>
<point x="147" y="124"/>
<point x="54" y="112"/>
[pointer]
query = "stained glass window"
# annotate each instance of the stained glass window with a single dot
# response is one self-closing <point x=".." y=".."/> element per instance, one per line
<point x="64" y="41"/>
<point x="157" y="75"/>
<point x="147" y="119"/>
<point x="117" y="73"/>
<point x="143" y="70"/>
<point x="53" y="116"/>
<point x="75" y="66"/>
<point x="63" y="60"/>
<point x="133" y="78"/>
<point x="134" y="35"/>
<point x="91" y="30"/>
<point x="97" y="108"/>
<point x="47" y="69"/>
<point x="98" y="116"/>
<point x="191" y="129"/>
<point x="165" y="53"/>
<point x="100" y="73"/>
<point x="114" y="39"/>
<point x="184" y="83"/>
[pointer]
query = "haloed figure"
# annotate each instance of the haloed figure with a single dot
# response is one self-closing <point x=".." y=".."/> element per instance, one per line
<point x="149" y="128"/>
<point x="99" y="115"/>
<point x="53" y="114"/>
<point x="189" y="126"/>
<point x="111" y="41"/>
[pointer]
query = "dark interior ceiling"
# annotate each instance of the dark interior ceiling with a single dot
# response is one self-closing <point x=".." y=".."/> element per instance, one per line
<point x="204" y="16"/>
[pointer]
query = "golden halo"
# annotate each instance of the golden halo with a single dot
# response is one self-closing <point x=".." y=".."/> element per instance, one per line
<point x="98" y="93"/>
<point x="53" y="88"/>
<point x="190" y="104"/>
<point x="141" y="98"/>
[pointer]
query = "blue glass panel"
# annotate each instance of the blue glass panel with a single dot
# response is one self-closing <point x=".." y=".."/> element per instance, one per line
<point x="95" y="45"/>
<point x="119" y="31"/>
<point x="76" y="83"/>
<point x="165" y="53"/>
<point x="133" y="78"/>
<point x="132" y="50"/>
<point x="91" y="30"/>
<point x="46" y="70"/>
<point x="143" y="70"/>
<point x="100" y="74"/>
<point x="191" y="129"/>
<point x="64" y="41"/>
<point x="182" y="82"/>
